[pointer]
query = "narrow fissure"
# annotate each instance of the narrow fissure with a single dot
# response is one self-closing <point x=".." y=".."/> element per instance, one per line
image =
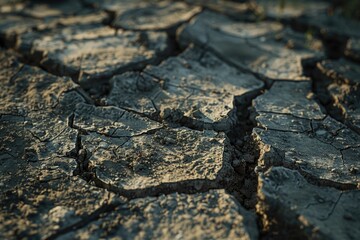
<point x="246" y="156"/>
<point x="320" y="84"/>
<point x="246" y="151"/>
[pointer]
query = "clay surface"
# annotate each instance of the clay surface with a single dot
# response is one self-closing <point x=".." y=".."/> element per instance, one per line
<point x="248" y="46"/>
<point x="185" y="89"/>
<point x="179" y="120"/>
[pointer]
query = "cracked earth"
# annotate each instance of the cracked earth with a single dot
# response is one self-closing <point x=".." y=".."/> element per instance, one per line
<point x="178" y="120"/>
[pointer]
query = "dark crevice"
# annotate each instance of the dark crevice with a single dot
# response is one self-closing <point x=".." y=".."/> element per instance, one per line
<point x="175" y="47"/>
<point x="111" y="18"/>
<point x="70" y="120"/>
<point x="186" y="186"/>
<point x="246" y="155"/>
<point x="78" y="152"/>
<point x="320" y="84"/>
<point x="246" y="151"/>
<point x="334" y="45"/>
<point x="82" y="157"/>
<point x="78" y="144"/>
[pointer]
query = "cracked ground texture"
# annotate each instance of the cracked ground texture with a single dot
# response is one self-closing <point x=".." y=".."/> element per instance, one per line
<point x="178" y="120"/>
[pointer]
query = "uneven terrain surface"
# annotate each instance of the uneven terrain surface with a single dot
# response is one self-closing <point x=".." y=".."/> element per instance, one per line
<point x="178" y="120"/>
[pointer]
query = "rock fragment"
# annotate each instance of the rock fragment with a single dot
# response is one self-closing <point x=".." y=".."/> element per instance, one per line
<point x="29" y="89"/>
<point x="245" y="45"/>
<point x="34" y="117"/>
<point x="292" y="131"/>
<point x="111" y="121"/>
<point x="307" y="154"/>
<point x="53" y="9"/>
<point x="338" y="86"/>
<point x="13" y="26"/>
<point x="291" y="9"/>
<point x="290" y="206"/>
<point x="236" y="10"/>
<point x="7" y="6"/>
<point x="280" y="122"/>
<point x="156" y="137"/>
<point x="291" y="99"/>
<point x="39" y="194"/>
<point x="164" y="161"/>
<point x="195" y="88"/>
<point x="73" y="51"/>
<point x="146" y="15"/>
<point x="335" y="133"/>
<point x="160" y="15"/>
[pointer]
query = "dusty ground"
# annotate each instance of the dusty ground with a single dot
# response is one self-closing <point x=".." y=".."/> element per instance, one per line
<point x="173" y="120"/>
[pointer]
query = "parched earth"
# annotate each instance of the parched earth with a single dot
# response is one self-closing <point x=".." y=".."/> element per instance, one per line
<point x="178" y="120"/>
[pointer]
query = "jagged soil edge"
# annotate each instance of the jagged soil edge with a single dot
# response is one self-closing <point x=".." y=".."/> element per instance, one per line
<point x="320" y="82"/>
<point x="245" y="125"/>
<point x="242" y="128"/>
<point x="173" y="50"/>
<point x="244" y="147"/>
<point x="241" y="131"/>
<point x="32" y="59"/>
<point x="311" y="71"/>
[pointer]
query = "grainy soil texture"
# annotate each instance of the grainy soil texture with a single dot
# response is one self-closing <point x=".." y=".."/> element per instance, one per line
<point x="196" y="119"/>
